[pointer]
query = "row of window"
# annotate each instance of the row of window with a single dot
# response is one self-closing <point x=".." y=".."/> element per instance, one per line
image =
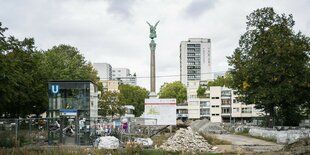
<point x="193" y="67"/>
<point x="193" y="77"/>
<point x="193" y="49"/>
<point x="193" y="54"/>
<point x="193" y="59"/>
<point x="193" y="45"/>
<point x="193" y="63"/>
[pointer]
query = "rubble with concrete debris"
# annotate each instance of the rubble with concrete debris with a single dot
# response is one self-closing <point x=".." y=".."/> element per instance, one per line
<point x="146" y="142"/>
<point x="186" y="140"/>
<point x="107" y="142"/>
<point x="205" y="126"/>
<point x="282" y="137"/>
<point x="302" y="146"/>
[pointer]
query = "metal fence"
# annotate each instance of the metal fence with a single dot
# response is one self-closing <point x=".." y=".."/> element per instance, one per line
<point x="71" y="131"/>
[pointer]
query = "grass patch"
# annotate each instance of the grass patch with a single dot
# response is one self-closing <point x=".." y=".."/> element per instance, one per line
<point x="264" y="138"/>
<point x="213" y="140"/>
<point x="244" y="132"/>
<point x="91" y="151"/>
<point x="160" y="138"/>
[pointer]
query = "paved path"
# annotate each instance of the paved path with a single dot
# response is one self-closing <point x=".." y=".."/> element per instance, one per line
<point x="249" y="143"/>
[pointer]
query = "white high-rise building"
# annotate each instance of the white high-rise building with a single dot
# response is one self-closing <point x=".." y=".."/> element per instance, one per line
<point x="124" y="76"/>
<point x="195" y="60"/>
<point x="104" y="70"/>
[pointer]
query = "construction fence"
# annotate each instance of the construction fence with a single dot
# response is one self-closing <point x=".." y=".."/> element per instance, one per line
<point x="71" y="130"/>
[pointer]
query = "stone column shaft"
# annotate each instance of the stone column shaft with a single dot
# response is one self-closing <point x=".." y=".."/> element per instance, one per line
<point x="153" y="75"/>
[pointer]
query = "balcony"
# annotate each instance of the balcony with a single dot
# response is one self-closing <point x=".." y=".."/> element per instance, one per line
<point x="226" y="94"/>
<point x="205" y="105"/>
<point x="225" y="114"/>
<point x="204" y="114"/>
<point x="182" y="115"/>
<point x="226" y="102"/>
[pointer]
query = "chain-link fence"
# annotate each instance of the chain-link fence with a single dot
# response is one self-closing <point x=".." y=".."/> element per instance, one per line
<point x="71" y="130"/>
<point x="19" y="132"/>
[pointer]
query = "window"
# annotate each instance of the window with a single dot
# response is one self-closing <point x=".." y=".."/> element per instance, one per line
<point x="226" y="93"/>
<point x="215" y="106"/>
<point x="226" y="101"/>
<point x="215" y="98"/>
<point x="225" y="110"/>
<point x="215" y="114"/>
<point x="246" y="110"/>
<point x="192" y="96"/>
<point x="204" y="112"/>
<point x="236" y="110"/>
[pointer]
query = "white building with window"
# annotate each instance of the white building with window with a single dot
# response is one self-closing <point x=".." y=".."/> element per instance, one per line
<point x="195" y="60"/>
<point x="124" y="76"/>
<point x="219" y="104"/>
<point x="104" y="70"/>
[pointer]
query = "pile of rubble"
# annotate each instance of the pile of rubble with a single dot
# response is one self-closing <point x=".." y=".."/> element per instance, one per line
<point x="205" y="126"/>
<point x="107" y="142"/>
<point x="186" y="140"/>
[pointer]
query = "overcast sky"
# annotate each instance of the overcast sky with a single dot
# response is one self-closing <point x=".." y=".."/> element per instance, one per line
<point x="115" y="31"/>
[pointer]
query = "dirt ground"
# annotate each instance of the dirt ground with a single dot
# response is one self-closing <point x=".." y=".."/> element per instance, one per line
<point x="245" y="144"/>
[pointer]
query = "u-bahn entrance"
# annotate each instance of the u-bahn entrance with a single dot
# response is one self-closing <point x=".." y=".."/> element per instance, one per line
<point x="72" y="104"/>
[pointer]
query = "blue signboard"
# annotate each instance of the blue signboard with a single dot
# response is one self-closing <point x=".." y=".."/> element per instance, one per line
<point x="55" y="89"/>
<point x="68" y="112"/>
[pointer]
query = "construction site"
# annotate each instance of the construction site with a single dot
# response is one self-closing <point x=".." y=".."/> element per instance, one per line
<point x="192" y="137"/>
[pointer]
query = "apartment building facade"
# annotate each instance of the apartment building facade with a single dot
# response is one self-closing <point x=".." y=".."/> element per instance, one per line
<point x="218" y="104"/>
<point x="195" y="60"/>
<point x="104" y="70"/>
<point x="124" y="76"/>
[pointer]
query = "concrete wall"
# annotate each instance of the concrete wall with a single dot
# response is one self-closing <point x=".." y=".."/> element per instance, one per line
<point x="282" y="137"/>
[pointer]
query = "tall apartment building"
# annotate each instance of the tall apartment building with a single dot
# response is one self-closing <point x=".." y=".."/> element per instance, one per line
<point x="124" y="76"/>
<point x="195" y="60"/>
<point x="104" y="70"/>
<point x="219" y="104"/>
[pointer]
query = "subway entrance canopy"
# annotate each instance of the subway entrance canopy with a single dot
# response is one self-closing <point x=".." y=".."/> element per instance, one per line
<point x="72" y="107"/>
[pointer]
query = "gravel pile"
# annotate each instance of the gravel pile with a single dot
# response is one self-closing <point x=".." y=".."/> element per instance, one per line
<point x="205" y="126"/>
<point x="186" y="140"/>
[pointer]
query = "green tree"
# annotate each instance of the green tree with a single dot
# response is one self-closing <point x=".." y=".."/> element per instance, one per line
<point x="225" y="80"/>
<point x="270" y="68"/>
<point x="133" y="95"/>
<point x="66" y="62"/>
<point x="174" y="90"/>
<point x="20" y="80"/>
<point x="110" y="104"/>
<point x="201" y="91"/>
<point x="24" y="72"/>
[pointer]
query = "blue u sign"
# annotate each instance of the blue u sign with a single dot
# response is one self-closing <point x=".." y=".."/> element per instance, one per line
<point x="55" y="89"/>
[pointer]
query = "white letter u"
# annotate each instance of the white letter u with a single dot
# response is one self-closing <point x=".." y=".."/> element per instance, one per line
<point x="55" y="89"/>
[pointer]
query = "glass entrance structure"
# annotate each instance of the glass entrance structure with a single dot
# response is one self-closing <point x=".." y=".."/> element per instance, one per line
<point x="72" y="107"/>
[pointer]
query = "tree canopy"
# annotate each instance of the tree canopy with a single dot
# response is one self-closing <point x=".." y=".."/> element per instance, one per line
<point x="133" y="95"/>
<point x="110" y="104"/>
<point x="20" y="77"/>
<point x="173" y="90"/>
<point x="24" y="72"/>
<point x="225" y="80"/>
<point x="270" y="68"/>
